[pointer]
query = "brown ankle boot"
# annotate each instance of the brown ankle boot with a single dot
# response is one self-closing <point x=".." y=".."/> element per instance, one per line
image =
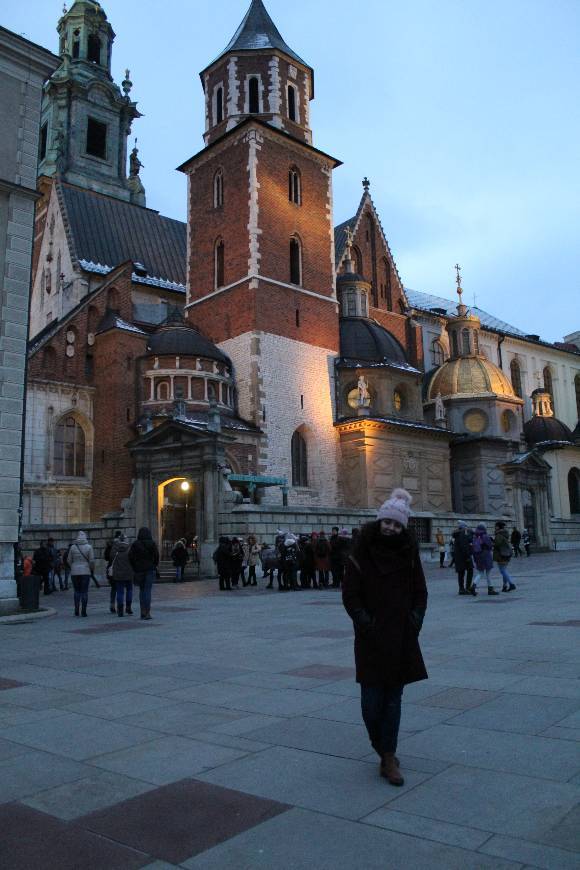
<point x="390" y="769"/>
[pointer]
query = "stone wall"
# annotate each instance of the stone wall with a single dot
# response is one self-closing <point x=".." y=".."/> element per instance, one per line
<point x="565" y="534"/>
<point x="98" y="533"/>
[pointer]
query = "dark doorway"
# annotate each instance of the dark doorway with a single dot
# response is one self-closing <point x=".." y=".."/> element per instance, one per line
<point x="529" y="514"/>
<point x="178" y="515"/>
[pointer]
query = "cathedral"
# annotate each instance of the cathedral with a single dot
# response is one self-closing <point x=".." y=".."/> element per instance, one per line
<point x="259" y="362"/>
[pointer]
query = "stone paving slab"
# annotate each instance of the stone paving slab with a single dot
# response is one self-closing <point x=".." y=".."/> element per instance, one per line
<point x="526" y="714"/>
<point x="95" y="791"/>
<point x="301" y="840"/>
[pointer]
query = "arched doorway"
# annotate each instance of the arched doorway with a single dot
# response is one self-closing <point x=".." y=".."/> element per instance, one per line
<point x="529" y="512"/>
<point x="574" y="490"/>
<point x="177" y="512"/>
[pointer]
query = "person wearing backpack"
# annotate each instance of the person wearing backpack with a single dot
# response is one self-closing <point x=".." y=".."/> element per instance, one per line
<point x="82" y="566"/>
<point x="322" y="559"/>
<point x="482" y="556"/>
<point x="502" y="553"/>
<point x="289" y="559"/>
<point x="122" y="573"/>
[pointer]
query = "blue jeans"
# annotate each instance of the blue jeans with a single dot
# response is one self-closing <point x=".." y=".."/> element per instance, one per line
<point x="179" y="569"/>
<point x="145" y="587"/>
<point x="124" y="591"/>
<point x="81" y="587"/>
<point x="504" y="573"/>
<point x="381" y="712"/>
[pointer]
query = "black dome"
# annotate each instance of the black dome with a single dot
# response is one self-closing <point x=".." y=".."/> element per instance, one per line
<point x="541" y="429"/>
<point x="364" y="340"/>
<point x="183" y="340"/>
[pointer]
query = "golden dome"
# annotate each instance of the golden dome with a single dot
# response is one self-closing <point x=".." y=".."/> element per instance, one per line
<point x="469" y="376"/>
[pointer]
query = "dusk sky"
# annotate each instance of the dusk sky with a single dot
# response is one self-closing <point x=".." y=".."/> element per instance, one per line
<point x="464" y="114"/>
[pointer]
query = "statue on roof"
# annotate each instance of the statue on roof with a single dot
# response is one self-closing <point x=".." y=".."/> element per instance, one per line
<point x="439" y="408"/>
<point x="134" y="163"/>
<point x="364" y="397"/>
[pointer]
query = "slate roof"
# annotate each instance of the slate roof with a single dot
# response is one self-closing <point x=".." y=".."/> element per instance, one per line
<point x="106" y="232"/>
<point x="367" y="341"/>
<point x="257" y="32"/>
<point x="426" y="302"/>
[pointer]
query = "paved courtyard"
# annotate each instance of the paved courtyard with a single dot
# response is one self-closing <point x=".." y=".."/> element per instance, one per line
<point x="226" y="733"/>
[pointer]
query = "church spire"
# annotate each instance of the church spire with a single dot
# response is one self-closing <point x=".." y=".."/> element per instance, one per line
<point x="258" y="32"/>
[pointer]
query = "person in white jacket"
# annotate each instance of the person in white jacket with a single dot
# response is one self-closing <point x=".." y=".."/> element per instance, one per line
<point x="81" y="559"/>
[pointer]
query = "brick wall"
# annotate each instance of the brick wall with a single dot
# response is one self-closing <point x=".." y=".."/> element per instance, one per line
<point x="115" y="409"/>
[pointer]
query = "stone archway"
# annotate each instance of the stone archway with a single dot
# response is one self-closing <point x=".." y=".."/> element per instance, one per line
<point x="177" y="512"/>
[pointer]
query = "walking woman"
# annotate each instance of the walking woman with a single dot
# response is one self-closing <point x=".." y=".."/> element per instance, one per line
<point x="253" y="559"/>
<point x="144" y="559"/>
<point x="502" y="553"/>
<point x="82" y="565"/>
<point x="482" y="556"/>
<point x="385" y="595"/>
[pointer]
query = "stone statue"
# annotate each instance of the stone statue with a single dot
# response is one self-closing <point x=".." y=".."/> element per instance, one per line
<point x="439" y="408"/>
<point x="134" y="163"/>
<point x="364" y="397"/>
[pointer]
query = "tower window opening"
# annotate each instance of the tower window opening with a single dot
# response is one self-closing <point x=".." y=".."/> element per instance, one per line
<point x="219" y="105"/>
<point x="295" y="270"/>
<point x="294" y="186"/>
<point x="291" y="103"/>
<point x="549" y="386"/>
<point x="94" y="48"/>
<point x="218" y="189"/>
<point x="253" y="96"/>
<point x="299" y="455"/>
<point x="76" y="46"/>
<point x="96" y="138"/>
<point x="297" y="317"/>
<point x="454" y="343"/>
<point x="43" y="140"/>
<point x="437" y="353"/>
<point x="465" y="344"/>
<point x="219" y="264"/>
<point x="302" y="401"/>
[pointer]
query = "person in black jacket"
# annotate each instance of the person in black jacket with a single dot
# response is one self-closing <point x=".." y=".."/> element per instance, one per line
<point x="223" y="561"/>
<point x="42" y="566"/>
<point x="462" y="554"/>
<point x="144" y="559"/>
<point x="385" y="595"/>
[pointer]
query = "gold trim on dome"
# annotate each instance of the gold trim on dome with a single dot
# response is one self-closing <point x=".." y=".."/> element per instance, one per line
<point x="470" y="376"/>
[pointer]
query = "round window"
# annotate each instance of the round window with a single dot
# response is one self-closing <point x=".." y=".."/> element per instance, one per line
<point x="475" y="421"/>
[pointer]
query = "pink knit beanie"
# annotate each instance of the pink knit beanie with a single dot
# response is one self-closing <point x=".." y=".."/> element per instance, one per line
<point x="397" y="507"/>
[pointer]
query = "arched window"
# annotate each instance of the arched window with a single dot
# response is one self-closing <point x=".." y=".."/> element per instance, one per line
<point x="253" y="95"/>
<point x="94" y="48"/>
<point x="162" y="391"/>
<point x="398" y="399"/>
<point x="465" y="344"/>
<point x="350" y="303"/>
<point x="454" y="343"/>
<point x="549" y="386"/>
<point x="69" y="448"/>
<point x="292" y="102"/>
<point x="574" y="490"/>
<point x="92" y="319"/>
<point x="577" y="388"/>
<point x="387" y="279"/>
<point x="437" y="353"/>
<point x="219" y="105"/>
<point x="218" y="189"/>
<point x="295" y="264"/>
<point x="357" y="260"/>
<point x="516" y="378"/>
<point x="219" y="263"/>
<point x="113" y="299"/>
<point x="76" y="46"/>
<point x="294" y="186"/>
<point x="48" y="280"/>
<point x="299" y="460"/>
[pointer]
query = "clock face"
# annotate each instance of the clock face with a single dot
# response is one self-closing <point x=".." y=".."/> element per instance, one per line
<point x="475" y="421"/>
<point x="352" y="398"/>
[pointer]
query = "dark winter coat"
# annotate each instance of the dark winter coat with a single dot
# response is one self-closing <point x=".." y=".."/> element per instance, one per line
<point x="462" y="539"/>
<point x="144" y="555"/>
<point x="121" y="569"/>
<point x="322" y="554"/>
<point x="41" y="561"/>
<point x="482" y="551"/>
<point x="516" y="537"/>
<point x="502" y="550"/>
<point x="223" y="558"/>
<point x="179" y="555"/>
<point x="385" y="594"/>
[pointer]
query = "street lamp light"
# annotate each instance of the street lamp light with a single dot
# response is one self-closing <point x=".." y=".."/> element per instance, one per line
<point x="185" y="485"/>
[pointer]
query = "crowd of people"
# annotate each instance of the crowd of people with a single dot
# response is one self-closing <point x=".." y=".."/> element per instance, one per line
<point x="128" y="565"/>
<point x="474" y="553"/>
<point x="296" y="561"/>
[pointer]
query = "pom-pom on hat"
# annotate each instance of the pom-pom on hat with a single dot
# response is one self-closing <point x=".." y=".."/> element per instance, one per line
<point x="397" y="507"/>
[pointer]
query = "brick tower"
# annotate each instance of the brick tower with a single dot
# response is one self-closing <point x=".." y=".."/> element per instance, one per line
<point x="261" y="275"/>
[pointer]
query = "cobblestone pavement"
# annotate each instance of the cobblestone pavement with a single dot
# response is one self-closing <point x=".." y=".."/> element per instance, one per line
<point x="226" y="733"/>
